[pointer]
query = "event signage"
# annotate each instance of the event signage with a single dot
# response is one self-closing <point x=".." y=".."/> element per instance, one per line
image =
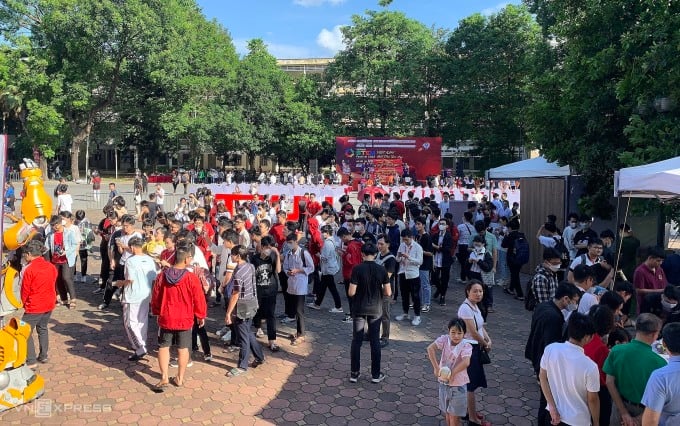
<point x="379" y="158"/>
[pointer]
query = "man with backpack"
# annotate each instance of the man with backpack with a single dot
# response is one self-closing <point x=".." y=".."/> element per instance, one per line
<point x="594" y="259"/>
<point x="518" y="255"/>
<point x="544" y="282"/>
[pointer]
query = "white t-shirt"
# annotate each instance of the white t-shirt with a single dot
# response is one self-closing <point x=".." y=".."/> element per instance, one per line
<point x="571" y="375"/>
<point x="466" y="312"/>
<point x="64" y="203"/>
<point x="160" y="196"/>
<point x="587" y="301"/>
<point x="547" y="241"/>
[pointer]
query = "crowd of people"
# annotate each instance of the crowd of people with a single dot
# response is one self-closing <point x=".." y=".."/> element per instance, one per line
<point x="172" y="262"/>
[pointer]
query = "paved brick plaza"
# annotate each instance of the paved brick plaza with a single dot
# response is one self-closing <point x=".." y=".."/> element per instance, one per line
<point x="304" y="385"/>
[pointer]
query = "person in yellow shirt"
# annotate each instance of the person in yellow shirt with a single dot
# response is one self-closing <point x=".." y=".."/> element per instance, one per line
<point x="156" y="245"/>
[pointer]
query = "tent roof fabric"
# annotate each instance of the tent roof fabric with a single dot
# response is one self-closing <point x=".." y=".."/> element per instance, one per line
<point x="531" y="168"/>
<point x="660" y="179"/>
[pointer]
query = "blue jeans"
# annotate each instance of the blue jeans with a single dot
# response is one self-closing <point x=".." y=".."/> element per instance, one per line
<point x="358" y="339"/>
<point x="248" y="343"/>
<point x="425" y="287"/>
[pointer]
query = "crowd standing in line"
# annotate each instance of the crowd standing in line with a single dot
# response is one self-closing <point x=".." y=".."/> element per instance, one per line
<point x="201" y="252"/>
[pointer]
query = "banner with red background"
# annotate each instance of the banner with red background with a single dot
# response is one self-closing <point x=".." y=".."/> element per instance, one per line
<point x="382" y="157"/>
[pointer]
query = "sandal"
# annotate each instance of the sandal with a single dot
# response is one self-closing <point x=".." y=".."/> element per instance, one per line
<point x="159" y="387"/>
<point x="175" y="382"/>
<point x="235" y="372"/>
<point x="72" y="305"/>
<point x="297" y="340"/>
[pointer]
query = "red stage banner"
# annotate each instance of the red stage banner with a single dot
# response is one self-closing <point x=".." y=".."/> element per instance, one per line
<point x="380" y="158"/>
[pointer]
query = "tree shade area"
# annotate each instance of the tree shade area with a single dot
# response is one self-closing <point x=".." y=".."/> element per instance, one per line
<point x="592" y="84"/>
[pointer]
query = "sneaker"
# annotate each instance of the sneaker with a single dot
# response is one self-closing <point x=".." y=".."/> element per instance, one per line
<point x="207" y="358"/>
<point x="410" y="305"/>
<point x="313" y="305"/>
<point x="336" y="311"/>
<point x="259" y="333"/>
<point x="416" y="321"/>
<point x="173" y="363"/>
<point x="402" y="317"/>
<point x="226" y="337"/>
<point x="102" y="306"/>
<point x="98" y="291"/>
<point x="115" y="296"/>
<point x="348" y="320"/>
<point x="136" y="357"/>
<point x="222" y="330"/>
<point x="442" y="301"/>
<point x="354" y="377"/>
<point x="426" y="308"/>
<point x="384" y="343"/>
<point x="380" y="377"/>
<point x="287" y="320"/>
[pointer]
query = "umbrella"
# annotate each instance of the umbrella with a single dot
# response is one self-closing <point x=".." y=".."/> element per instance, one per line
<point x="370" y="190"/>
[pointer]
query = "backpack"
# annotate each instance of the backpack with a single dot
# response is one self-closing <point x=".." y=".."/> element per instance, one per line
<point x="562" y="249"/>
<point x="184" y="178"/>
<point x="521" y="251"/>
<point x="530" y="301"/>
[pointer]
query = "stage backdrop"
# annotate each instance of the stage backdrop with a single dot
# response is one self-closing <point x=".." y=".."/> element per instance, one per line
<point x="382" y="157"/>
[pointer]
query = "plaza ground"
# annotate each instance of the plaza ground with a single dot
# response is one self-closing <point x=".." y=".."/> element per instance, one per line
<point x="90" y="381"/>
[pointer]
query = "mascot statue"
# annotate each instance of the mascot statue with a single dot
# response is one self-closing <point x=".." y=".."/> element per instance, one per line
<point x="18" y="383"/>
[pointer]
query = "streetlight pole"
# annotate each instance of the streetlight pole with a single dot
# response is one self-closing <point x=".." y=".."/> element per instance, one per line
<point x="87" y="156"/>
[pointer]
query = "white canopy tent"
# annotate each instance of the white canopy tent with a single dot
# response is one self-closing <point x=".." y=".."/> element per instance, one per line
<point x="532" y="168"/>
<point x="656" y="180"/>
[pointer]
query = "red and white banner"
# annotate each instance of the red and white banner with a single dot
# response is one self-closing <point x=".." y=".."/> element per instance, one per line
<point x="382" y="157"/>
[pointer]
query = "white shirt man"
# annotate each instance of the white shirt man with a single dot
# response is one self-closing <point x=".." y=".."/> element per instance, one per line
<point x="140" y="273"/>
<point x="569" y="379"/>
<point x="160" y="196"/>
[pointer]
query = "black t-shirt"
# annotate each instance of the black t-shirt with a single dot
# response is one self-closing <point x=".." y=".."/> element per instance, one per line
<point x="389" y="262"/>
<point x="266" y="279"/>
<point x="425" y="242"/>
<point x="584" y="236"/>
<point x="369" y="278"/>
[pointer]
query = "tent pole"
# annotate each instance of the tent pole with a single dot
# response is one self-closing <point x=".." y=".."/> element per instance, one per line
<point x="625" y="219"/>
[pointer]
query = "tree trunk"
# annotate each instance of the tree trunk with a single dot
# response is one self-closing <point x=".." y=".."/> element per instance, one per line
<point x="77" y="140"/>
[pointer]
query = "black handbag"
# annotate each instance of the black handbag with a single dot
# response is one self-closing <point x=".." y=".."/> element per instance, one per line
<point x="484" y="357"/>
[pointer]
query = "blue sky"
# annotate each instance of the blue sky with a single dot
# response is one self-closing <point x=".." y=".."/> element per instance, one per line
<point x="310" y="28"/>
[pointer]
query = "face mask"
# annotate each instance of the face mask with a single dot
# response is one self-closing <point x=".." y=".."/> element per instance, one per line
<point x="572" y="307"/>
<point x="667" y="306"/>
<point x="479" y="249"/>
<point x="442" y="227"/>
<point x="63" y="223"/>
<point x="554" y="268"/>
<point x="267" y="252"/>
<point x="585" y="225"/>
<point x="358" y="228"/>
<point x="573" y="225"/>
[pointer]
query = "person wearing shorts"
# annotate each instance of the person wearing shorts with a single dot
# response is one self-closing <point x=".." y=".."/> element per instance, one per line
<point x="178" y="301"/>
<point x="451" y="370"/>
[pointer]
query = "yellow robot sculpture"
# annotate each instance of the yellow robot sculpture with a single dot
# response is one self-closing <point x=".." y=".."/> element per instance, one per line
<point x="18" y="383"/>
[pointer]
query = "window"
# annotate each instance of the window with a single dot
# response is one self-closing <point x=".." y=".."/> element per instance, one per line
<point x="264" y="162"/>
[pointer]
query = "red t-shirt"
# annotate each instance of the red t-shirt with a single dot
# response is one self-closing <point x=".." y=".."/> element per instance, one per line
<point x="37" y="286"/>
<point x="58" y="243"/>
<point x="598" y="352"/>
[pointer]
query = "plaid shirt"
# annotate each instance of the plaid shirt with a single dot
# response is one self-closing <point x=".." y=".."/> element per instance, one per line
<point x="544" y="283"/>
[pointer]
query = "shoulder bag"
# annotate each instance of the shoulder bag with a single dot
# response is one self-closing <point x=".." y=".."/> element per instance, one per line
<point x="247" y="308"/>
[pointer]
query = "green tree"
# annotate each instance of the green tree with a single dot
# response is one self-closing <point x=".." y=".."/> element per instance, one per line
<point x="89" y="45"/>
<point x="378" y="83"/>
<point x="485" y="71"/>
<point x="29" y="100"/>
<point x="257" y="104"/>
<point x="305" y="134"/>
<point x="604" y="88"/>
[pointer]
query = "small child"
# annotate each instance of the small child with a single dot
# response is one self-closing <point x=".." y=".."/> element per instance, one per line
<point x="156" y="245"/>
<point x="455" y="356"/>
